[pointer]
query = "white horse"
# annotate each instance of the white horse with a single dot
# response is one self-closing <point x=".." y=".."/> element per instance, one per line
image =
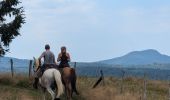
<point x="49" y="77"/>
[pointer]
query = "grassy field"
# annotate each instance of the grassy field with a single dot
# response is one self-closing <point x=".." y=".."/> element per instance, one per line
<point x="20" y="88"/>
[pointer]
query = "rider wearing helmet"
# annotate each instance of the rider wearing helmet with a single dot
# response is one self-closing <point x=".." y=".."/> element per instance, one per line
<point x="63" y="58"/>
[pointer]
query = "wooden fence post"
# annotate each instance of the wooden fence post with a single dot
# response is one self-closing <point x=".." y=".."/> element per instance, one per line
<point x="102" y="75"/>
<point x="145" y="88"/>
<point x="30" y="68"/>
<point x="122" y="80"/>
<point x="99" y="80"/>
<point x="169" y="88"/>
<point x="75" y="65"/>
<point x="12" y="69"/>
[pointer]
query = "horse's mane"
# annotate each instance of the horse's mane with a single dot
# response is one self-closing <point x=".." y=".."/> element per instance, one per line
<point x="36" y="61"/>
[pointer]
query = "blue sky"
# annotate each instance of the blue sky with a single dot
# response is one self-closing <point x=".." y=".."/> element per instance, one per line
<point x="93" y="30"/>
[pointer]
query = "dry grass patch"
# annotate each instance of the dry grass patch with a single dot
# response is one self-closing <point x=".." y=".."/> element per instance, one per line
<point x="107" y="93"/>
<point x="20" y="88"/>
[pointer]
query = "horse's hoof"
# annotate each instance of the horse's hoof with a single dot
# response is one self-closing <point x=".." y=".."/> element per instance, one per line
<point x="57" y="99"/>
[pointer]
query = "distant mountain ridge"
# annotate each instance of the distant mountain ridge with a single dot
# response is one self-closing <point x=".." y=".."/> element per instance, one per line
<point x="144" y="57"/>
<point x="137" y="63"/>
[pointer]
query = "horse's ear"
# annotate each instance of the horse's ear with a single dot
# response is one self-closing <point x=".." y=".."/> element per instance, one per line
<point x="34" y="58"/>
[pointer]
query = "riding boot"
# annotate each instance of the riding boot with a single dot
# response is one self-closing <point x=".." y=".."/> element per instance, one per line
<point x="35" y="85"/>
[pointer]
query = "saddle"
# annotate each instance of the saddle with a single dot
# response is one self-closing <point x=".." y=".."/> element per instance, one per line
<point x="45" y="67"/>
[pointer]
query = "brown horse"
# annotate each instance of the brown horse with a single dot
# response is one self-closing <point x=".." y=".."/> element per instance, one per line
<point x="69" y="80"/>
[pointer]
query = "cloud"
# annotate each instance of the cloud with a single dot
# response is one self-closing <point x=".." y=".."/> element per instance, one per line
<point x="142" y="20"/>
<point x="61" y="6"/>
<point x="65" y="14"/>
<point x="92" y="27"/>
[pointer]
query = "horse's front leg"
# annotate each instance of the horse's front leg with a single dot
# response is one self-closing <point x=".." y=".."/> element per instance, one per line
<point x="51" y="92"/>
<point x="43" y="92"/>
<point x="44" y="97"/>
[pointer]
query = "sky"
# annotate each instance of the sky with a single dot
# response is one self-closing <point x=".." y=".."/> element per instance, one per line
<point x="93" y="30"/>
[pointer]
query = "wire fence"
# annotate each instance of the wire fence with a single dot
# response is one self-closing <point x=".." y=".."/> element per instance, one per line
<point x="124" y="76"/>
<point x="16" y="66"/>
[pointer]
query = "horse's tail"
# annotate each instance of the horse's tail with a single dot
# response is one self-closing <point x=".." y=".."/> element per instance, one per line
<point x="73" y="81"/>
<point x="59" y="84"/>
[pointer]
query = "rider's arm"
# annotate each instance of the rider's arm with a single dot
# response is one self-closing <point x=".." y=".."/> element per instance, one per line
<point x="54" y="59"/>
<point x="39" y="59"/>
<point x="59" y="57"/>
<point x="68" y="55"/>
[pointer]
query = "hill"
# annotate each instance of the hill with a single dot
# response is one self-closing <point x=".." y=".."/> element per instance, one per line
<point x="139" y="58"/>
<point x="136" y="64"/>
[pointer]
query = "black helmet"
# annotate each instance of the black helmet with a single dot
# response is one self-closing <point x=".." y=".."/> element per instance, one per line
<point x="47" y="46"/>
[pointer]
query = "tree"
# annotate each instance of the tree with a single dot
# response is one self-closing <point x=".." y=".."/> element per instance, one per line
<point x="10" y="30"/>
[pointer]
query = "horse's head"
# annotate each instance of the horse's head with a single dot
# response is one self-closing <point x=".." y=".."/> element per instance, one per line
<point x="36" y="64"/>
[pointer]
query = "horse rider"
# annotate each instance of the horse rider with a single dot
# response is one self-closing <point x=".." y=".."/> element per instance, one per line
<point x="63" y="58"/>
<point x="49" y="61"/>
